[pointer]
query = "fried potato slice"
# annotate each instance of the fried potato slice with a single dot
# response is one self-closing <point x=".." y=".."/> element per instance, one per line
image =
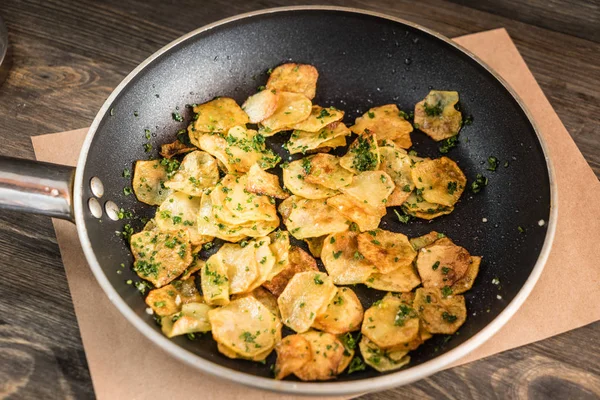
<point x="242" y="268"/>
<point x="296" y="78"/>
<point x="466" y="282"/>
<point x="440" y="314"/>
<point x="362" y="155"/>
<point x="423" y="241"/>
<point x="260" y="106"/>
<point x="291" y="109"/>
<point x="280" y="247"/>
<point x="314" y="218"/>
<point x="218" y="115"/>
<point x="292" y="353"/>
<point x="245" y="326"/>
<point x="198" y="171"/>
<point x="385" y="121"/>
<point x="441" y="181"/>
<point x="371" y="188"/>
<point x="262" y="182"/>
<point x="293" y="180"/>
<point x="304" y="296"/>
<point x="402" y="279"/>
<point x="331" y="144"/>
<point x="194" y="267"/>
<point x="265" y="260"/>
<point x="387" y="250"/>
<point x="180" y="211"/>
<point x="327" y="353"/>
<point x="390" y="322"/>
<point x="168" y="299"/>
<point x="319" y="118"/>
<point x="302" y="141"/>
<point x="437" y="116"/>
<point x="344" y="313"/>
<point x="442" y="263"/>
<point x="160" y="256"/>
<point x="214" y="281"/>
<point x="148" y="180"/>
<point x="343" y="261"/>
<point x="192" y="318"/>
<point x="315" y="245"/>
<point x="416" y="206"/>
<point x="398" y="165"/>
<point x="298" y="261"/>
<point x="382" y="360"/>
<point x="366" y="217"/>
<point x="325" y="170"/>
<point x="169" y="150"/>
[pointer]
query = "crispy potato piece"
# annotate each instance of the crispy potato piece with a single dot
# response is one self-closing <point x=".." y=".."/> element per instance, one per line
<point x="366" y="217"/>
<point x="192" y="318"/>
<point x="390" y="322"/>
<point x="242" y="268"/>
<point x="466" y="282"/>
<point x="280" y="247"/>
<point x="386" y="250"/>
<point x="292" y="353"/>
<point x="330" y="144"/>
<point x="327" y="353"/>
<point x="169" y="150"/>
<point x="441" y="181"/>
<point x="325" y="170"/>
<point x="267" y="299"/>
<point x="291" y="109"/>
<point x="416" y="206"/>
<point x="440" y="314"/>
<point x="262" y="182"/>
<point x="386" y="122"/>
<point x="319" y="118"/>
<point x="168" y="299"/>
<point x="296" y="78"/>
<point x="161" y="256"/>
<point x="371" y="188"/>
<point x="344" y="313"/>
<point x="302" y="141"/>
<point x="362" y="155"/>
<point x="194" y="267"/>
<point x="437" y="116"/>
<point x="305" y="294"/>
<point x="442" y="263"/>
<point x="314" y="218"/>
<point x="423" y="241"/>
<point x="214" y="281"/>
<point x="148" y="180"/>
<point x="179" y="211"/>
<point x="397" y="164"/>
<point x="198" y="171"/>
<point x="293" y="180"/>
<point x="315" y="245"/>
<point x="245" y="326"/>
<point x="265" y="260"/>
<point x="402" y="279"/>
<point x="298" y="261"/>
<point x="219" y="115"/>
<point x="382" y="360"/>
<point x="260" y="106"/>
<point x="347" y="357"/>
<point x="343" y="261"/>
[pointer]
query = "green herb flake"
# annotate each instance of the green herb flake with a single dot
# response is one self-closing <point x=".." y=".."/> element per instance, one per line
<point x="492" y="163"/>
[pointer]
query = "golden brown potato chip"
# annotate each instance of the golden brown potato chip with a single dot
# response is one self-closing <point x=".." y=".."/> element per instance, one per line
<point x="442" y="263"/>
<point x="344" y="313"/>
<point x="387" y="123"/>
<point x="347" y="357"/>
<point x="148" y="180"/>
<point x="466" y="282"/>
<point x="422" y="241"/>
<point x="292" y="353"/>
<point x="214" y="281"/>
<point x="260" y="106"/>
<point x="332" y="135"/>
<point x="169" y="150"/>
<point x="398" y="165"/>
<point x="327" y="353"/>
<point x="403" y="279"/>
<point x="198" y="171"/>
<point x="343" y="261"/>
<point x="265" y="259"/>
<point x="325" y="170"/>
<point x="242" y="268"/>
<point x="303" y="297"/>
<point x="440" y="181"/>
<point x="194" y="267"/>
<point x="262" y="182"/>
<point x="296" y="78"/>
<point x="386" y="250"/>
<point x="280" y="247"/>
<point x="319" y="118"/>
<point x="362" y="155"/>
<point x="326" y="146"/>
<point x="192" y="318"/>
<point x="382" y="360"/>
<point x="168" y="299"/>
<point x="314" y="218"/>
<point x="371" y="188"/>
<point x="390" y="322"/>
<point x="315" y="245"/>
<point x="291" y="109"/>
<point x="416" y="206"/>
<point x="218" y="115"/>
<point x="161" y="256"/>
<point x="437" y="116"/>
<point x="366" y="217"/>
<point x="298" y="261"/>
<point x="180" y="211"/>
<point x="293" y="180"/>
<point x="440" y="314"/>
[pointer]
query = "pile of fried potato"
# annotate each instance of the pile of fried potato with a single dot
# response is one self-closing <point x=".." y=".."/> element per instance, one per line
<point x="258" y="281"/>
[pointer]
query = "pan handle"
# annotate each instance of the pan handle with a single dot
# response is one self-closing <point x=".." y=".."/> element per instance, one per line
<point x="36" y="187"/>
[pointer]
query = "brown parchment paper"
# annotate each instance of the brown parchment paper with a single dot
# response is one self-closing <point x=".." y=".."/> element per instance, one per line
<point x="116" y="351"/>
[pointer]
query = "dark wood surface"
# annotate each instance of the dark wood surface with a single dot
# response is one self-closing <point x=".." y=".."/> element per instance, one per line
<point x="69" y="55"/>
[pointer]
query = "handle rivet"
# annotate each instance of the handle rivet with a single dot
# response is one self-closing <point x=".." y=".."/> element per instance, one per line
<point x="95" y="207"/>
<point x="112" y="210"/>
<point x="97" y="187"/>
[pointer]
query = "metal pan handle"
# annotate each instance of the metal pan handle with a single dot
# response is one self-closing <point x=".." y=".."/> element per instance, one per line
<point x="36" y="187"/>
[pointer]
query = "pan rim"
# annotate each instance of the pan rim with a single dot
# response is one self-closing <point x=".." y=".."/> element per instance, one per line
<point x="380" y="383"/>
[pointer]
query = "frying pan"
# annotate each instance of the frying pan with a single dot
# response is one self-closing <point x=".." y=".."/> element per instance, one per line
<point x="364" y="59"/>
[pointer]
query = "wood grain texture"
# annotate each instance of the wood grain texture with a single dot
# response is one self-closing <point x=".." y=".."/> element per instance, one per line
<point x="69" y="55"/>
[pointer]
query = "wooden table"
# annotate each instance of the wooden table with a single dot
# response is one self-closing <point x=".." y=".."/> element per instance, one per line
<point x="69" y="55"/>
